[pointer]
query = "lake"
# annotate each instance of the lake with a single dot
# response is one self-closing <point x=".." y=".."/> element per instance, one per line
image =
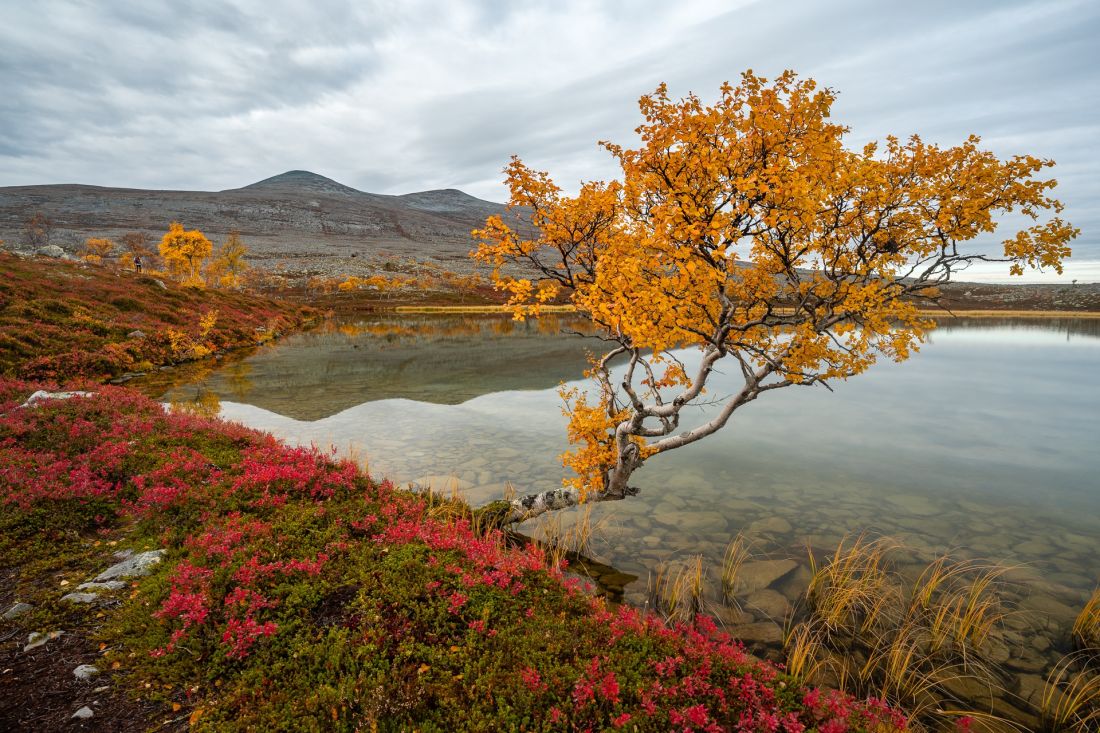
<point x="983" y="445"/>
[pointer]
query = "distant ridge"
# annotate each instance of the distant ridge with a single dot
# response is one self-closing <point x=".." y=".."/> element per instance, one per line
<point x="297" y="219"/>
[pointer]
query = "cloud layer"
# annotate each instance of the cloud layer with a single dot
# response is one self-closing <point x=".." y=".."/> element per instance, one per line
<point x="392" y="96"/>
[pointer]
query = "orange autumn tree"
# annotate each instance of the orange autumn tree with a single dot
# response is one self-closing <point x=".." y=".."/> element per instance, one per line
<point x="184" y="251"/>
<point x="746" y="232"/>
<point x="96" y="248"/>
<point x="229" y="265"/>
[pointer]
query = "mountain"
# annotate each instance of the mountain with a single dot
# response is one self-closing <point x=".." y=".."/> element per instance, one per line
<point x="301" y="219"/>
<point x="298" y="182"/>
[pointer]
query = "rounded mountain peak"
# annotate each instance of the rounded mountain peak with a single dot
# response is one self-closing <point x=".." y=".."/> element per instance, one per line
<point x="300" y="181"/>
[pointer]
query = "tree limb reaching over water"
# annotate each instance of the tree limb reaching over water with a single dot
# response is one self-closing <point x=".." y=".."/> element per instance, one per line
<point x="745" y="230"/>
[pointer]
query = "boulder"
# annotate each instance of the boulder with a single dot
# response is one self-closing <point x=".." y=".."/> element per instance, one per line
<point x="136" y="334"/>
<point x="50" y="250"/>
<point x="83" y="713"/>
<point x="133" y="566"/>
<point x="42" y="396"/>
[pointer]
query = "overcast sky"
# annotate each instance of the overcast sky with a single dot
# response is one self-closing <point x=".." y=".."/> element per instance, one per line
<point x="400" y="96"/>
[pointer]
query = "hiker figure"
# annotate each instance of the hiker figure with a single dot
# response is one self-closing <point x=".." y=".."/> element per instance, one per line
<point x="137" y="264"/>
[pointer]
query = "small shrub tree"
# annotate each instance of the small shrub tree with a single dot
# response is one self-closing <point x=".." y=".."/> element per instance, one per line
<point x="184" y="251"/>
<point x="96" y="248"/>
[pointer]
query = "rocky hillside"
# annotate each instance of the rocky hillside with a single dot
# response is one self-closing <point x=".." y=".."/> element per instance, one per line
<point x="303" y="219"/>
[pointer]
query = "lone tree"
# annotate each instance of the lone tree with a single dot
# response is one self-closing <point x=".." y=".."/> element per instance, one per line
<point x="747" y="232"/>
<point x="184" y="252"/>
<point x="37" y="230"/>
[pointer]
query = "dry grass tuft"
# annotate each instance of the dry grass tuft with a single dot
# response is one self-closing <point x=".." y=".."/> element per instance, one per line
<point x="1071" y="700"/>
<point x="735" y="556"/>
<point x="916" y="645"/>
<point x="676" y="592"/>
<point x="1086" y="628"/>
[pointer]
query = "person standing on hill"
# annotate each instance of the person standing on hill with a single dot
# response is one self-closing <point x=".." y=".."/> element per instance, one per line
<point x="137" y="264"/>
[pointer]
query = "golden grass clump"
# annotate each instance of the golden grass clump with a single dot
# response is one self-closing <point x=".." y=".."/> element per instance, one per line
<point x="735" y="556"/>
<point x="1071" y="700"/>
<point x="920" y="645"/>
<point x="1086" y="628"/>
<point x="676" y="593"/>
<point x="852" y="588"/>
<point x="576" y="539"/>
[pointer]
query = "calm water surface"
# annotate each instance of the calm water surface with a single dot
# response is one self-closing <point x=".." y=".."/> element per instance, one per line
<point x="984" y="444"/>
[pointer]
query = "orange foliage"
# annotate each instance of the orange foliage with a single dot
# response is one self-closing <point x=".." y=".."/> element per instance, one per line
<point x="96" y="248"/>
<point x="747" y="230"/>
<point x="184" y="251"/>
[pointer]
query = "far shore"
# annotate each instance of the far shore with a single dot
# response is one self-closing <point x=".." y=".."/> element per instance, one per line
<point x="932" y="313"/>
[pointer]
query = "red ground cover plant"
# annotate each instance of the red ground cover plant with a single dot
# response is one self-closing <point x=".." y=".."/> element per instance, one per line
<point x="62" y="320"/>
<point x="295" y="588"/>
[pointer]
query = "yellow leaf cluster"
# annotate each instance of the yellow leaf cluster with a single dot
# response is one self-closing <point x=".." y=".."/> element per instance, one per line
<point x="184" y="251"/>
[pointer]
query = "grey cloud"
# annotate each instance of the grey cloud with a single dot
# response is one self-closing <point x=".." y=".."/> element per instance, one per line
<point x="395" y="96"/>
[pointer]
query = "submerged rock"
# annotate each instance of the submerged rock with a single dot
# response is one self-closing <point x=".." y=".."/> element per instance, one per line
<point x="771" y="525"/>
<point x="133" y="566"/>
<point x="763" y="632"/>
<point x="754" y="576"/>
<point x="771" y="603"/>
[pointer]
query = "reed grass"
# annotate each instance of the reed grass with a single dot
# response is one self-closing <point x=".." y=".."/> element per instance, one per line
<point x="849" y="591"/>
<point x="578" y="539"/>
<point x="1086" y="627"/>
<point x="735" y="556"/>
<point x="676" y="593"/>
<point x="868" y="632"/>
<point x="1071" y="699"/>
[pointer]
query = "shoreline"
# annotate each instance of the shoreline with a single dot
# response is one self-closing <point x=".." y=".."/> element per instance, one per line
<point x="960" y="313"/>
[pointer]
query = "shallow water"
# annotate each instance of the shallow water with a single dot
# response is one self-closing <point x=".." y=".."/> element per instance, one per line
<point x="984" y="444"/>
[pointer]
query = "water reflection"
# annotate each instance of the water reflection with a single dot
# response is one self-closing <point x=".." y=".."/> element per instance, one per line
<point x="443" y="360"/>
<point x="983" y="444"/>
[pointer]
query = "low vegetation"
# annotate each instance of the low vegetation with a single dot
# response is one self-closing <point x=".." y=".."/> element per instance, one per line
<point x="295" y="588"/>
<point x="61" y="320"/>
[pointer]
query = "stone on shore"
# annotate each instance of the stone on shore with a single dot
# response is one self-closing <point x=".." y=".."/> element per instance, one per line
<point x="134" y="566"/>
<point x="17" y="609"/>
<point x="85" y="672"/>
